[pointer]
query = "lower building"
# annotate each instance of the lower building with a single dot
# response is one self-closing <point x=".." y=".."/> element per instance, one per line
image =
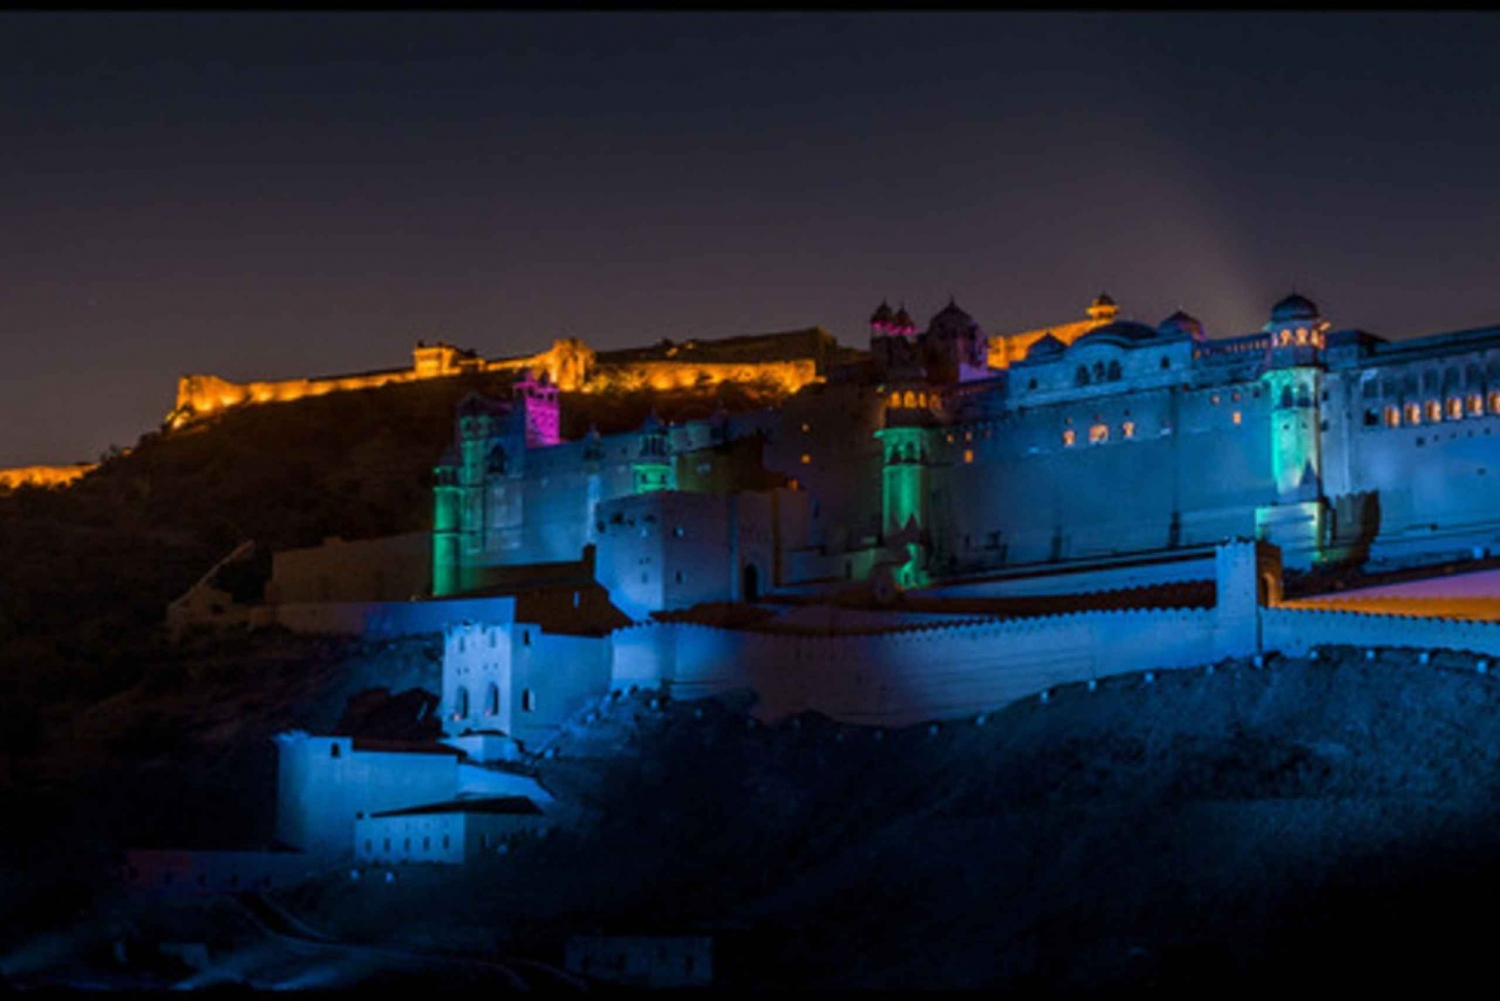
<point x="451" y="833"/>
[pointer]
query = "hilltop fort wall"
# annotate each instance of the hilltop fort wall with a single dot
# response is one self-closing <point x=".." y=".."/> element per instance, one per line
<point x="14" y="477"/>
<point x="777" y="363"/>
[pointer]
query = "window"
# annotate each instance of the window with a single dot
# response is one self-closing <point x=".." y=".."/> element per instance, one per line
<point x="910" y="401"/>
<point x="1414" y="413"/>
<point x="806" y="459"/>
<point x="1081" y="377"/>
<point x="1031" y="384"/>
<point x="492" y="701"/>
<point x="1114" y="371"/>
<point x="1476" y="405"/>
<point x="1069" y="438"/>
<point x="1236" y="417"/>
<point x="528" y="701"/>
<point x="678" y="577"/>
<point x="1372" y="417"/>
<point x="1098" y="434"/>
<point x="968" y="455"/>
<point x="333" y="750"/>
<point x="895" y="399"/>
<point x="1166" y="363"/>
<point x="1455" y="408"/>
<point x="526" y="637"/>
<point x="461" y="703"/>
<point x="1128" y="429"/>
<point x="1434" y="410"/>
<point x="1392" y="416"/>
<point x="1495" y="401"/>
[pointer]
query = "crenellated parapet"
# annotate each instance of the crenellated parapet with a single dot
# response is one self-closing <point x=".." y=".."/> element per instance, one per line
<point x="44" y="476"/>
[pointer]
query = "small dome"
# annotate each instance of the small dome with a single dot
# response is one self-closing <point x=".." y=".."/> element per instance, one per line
<point x="882" y="315"/>
<point x="1294" y="307"/>
<point x="903" y="320"/>
<point x="1181" y="322"/>
<point x="1045" y="346"/>
<point x="951" y="320"/>
<point x="1120" y="330"/>
<point x="1103" y="308"/>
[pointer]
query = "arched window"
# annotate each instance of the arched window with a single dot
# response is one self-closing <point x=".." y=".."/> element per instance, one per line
<point x="1166" y="363"/>
<point x="1455" y="408"/>
<point x="911" y="400"/>
<point x="492" y="700"/>
<point x="1392" y="416"/>
<point x="1286" y="397"/>
<point x="1495" y="401"/>
<point x="461" y="703"/>
<point x="1434" y="411"/>
<point x="1114" y="371"/>
<point x="528" y="701"/>
<point x="1069" y="437"/>
<point x="1476" y="404"/>
<point x="497" y="462"/>
<point x="895" y="399"/>
<point x="1098" y="434"/>
<point x="1098" y="371"/>
<point x="1414" y="413"/>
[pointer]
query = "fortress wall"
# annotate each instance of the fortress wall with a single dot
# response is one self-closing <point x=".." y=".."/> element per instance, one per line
<point x="385" y="619"/>
<point x="925" y="673"/>
<point x="1298" y="630"/>
<point x="779" y="376"/>
<point x="44" y="476"/>
<point x="1108" y="578"/>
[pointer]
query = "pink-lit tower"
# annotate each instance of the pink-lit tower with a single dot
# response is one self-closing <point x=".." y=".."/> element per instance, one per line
<point x="538" y="399"/>
<point x="892" y="344"/>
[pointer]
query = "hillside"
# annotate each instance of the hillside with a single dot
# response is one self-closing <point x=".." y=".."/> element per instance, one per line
<point x="1326" y="820"/>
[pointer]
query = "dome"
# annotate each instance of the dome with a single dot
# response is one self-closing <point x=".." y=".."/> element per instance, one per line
<point x="882" y="315"/>
<point x="1294" y="307"/>
<point x="1119" y="331"/>
<point x="1181" y="323"/>
<point x="952" y="320"/>
<point x="903" y="320"/>
<point x="1103" y="308"/>
<point x="1045" y="346"/>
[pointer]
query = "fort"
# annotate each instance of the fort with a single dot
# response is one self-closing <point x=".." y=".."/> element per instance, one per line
<point x="43" y="476"/>
<point x="929" y="529"/>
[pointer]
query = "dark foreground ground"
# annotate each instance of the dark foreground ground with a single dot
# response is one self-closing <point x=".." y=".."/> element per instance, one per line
<point x="1327" y="824"/>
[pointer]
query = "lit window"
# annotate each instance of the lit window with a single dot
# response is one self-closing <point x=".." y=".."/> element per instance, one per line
<point x="1235" y="416"/>
<point x="910" y="401"/>
<point x="895" y="399"/>
<point x="968" y="436"/>
<point x="1235" y="396"/>
<point x="1069" y="438"/>
<point x="1393" y="416"/>
<point x="806" y="428"/>
<point x="1434" y="410"/>
<point x="1098" y="433"/>
<point x="1302" y="337"/>
<point x="968" y="455"/>
<point x="528" y="701"/>
<point x="1455" y="408"/>
<point x="1476" y="405"/>
<point x="1214" y="399"/>
<point x="1495" y="401"/>
<point x="806" y="459"/>
<point x="1413" y="413"/>
<point x="1128" y="429"/>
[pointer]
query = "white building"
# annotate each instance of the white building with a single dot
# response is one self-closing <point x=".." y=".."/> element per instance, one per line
<point x="452" y="832"/>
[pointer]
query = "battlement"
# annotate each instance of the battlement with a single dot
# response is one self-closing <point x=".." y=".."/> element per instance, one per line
<point x="777" y="364"/>
<point x="44" y="476"/>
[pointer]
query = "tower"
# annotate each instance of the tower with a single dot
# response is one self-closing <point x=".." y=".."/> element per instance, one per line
<point x="905" y="484"/>
<point x="445" y="518"/>
<point x="537" y="399"/>
<point x="1293" y="381"/>
<point x="653" y="467"/>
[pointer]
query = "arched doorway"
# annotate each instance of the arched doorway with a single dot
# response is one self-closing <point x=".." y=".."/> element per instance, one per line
<point x="750" y="583"/>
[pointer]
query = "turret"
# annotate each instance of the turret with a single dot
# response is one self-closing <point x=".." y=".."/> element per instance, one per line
<point x="1293" y="381"/>
<point x="654" y="467"/>
<point x="538" y="400"/>
<point x="1103" y="309"/>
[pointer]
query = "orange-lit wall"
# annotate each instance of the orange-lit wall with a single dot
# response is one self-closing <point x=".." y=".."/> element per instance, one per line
<point x="569" y="364"/>
<point x="43" y="476"/>
<point x="1008" y="348"/>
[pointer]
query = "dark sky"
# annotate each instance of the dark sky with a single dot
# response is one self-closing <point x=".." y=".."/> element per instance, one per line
<point x="277" y="195"/>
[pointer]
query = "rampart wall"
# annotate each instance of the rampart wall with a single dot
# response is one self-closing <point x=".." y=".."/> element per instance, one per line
<point x="44" y="476"/>
<point x="1298" y="630"/>
<point x="382" y="619"/>
<point x="916" y="674"/>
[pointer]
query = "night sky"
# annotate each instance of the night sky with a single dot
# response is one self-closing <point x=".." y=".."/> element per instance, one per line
<point x="266" y="196"/>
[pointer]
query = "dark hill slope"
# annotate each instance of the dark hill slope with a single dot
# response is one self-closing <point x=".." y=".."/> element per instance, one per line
<point x="1329" y="821"/>
<point x="86" y="572"/>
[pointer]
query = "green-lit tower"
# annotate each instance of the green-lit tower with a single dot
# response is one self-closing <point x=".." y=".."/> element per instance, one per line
<point x="654" y="467"/>
<point x="905" y="488"/>
<point x="1297" y="520"/>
